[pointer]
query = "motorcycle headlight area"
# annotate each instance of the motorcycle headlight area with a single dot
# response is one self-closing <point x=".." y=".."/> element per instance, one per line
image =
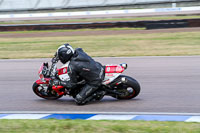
<point x="41" y="75"/>
<point x="44" y="71"/>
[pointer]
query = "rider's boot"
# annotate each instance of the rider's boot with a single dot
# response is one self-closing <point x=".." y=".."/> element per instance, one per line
<point x="83" y="96"/>
<point x="99" y="95"/>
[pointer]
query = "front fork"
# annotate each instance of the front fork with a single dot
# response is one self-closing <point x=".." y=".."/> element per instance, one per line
<point x="57" y="89"/>
<point x="45" y="81"/>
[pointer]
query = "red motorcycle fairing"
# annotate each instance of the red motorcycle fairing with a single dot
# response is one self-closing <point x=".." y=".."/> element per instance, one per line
<point x="46" y="81"/>
<point x="114" y="69"/>
<point x="57" y="89"/>
<point x="62" y="71"/>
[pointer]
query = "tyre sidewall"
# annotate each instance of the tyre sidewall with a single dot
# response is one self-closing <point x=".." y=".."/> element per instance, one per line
<point x="35" y="87"/>
<point x="130" y="82"/>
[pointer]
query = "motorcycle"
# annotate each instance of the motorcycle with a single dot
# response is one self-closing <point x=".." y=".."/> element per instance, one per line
<point x="114" y="84"/>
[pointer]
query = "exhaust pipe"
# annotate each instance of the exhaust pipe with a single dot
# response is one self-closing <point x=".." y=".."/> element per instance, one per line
<point x="123" y="80"/>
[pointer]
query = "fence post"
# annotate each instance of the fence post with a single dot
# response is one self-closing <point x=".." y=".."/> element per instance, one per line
<point x="36" y="4"/>
<point x="1" y="2"/>
<point x="65" y="3"/>
<point x="133" y="1"/>
<point x="104" y="2"/>
<point x="173" y="3"/>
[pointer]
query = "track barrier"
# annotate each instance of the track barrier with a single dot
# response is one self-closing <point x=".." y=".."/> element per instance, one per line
<point x="131" y="24"/>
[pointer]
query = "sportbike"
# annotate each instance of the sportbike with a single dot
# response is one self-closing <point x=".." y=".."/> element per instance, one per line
<point x="114" y="84"/>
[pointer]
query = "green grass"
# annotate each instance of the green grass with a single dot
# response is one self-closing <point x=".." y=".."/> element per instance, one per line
<point x="90" y="126"/>
<point x="157" y="44"/>
<point x="102" y="19"/>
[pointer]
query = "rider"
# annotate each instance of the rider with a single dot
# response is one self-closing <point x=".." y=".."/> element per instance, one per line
<point x="80" y="64"/>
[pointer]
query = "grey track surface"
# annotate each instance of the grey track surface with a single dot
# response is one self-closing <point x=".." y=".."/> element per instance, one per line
<point x="168" y="84"/>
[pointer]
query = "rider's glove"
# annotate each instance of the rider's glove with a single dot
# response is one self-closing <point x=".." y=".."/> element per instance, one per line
<point x="54" y="60"/>
<point x="55" y="82"/>
<point x="67" y="84"/>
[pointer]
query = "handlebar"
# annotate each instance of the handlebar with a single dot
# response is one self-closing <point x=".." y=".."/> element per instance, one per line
<point x="55" y="59"/>
<point x="52" y="70"/>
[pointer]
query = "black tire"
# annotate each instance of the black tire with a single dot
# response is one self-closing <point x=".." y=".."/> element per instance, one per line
<point x="41" y="94"/>
<point x="129" y="84"/>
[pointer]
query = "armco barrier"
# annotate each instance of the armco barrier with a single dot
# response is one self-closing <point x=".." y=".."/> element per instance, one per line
<point x="194" y="22"/>
<point x="20" y="27"/>
<point x="167" y="24"/>
<point x="133" y="24"/>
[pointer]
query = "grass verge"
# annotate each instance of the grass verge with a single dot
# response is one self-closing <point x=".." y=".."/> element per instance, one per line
<point x="90" y="126"/>
<point x="157" y="44"/>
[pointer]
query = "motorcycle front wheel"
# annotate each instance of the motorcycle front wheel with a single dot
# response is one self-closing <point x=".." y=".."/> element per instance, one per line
<point x="41" y="91"/>
<point x="128" y="89"/>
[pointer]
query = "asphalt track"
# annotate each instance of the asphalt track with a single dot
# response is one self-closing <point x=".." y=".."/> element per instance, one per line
<point x="168" y="84"/>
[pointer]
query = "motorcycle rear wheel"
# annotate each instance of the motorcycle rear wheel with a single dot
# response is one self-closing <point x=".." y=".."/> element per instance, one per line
<point x="129" y="89"/>
<point x="39" y="91"/>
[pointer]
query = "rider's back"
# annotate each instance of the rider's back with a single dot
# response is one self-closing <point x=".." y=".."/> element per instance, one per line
<point x="84" y="66"/>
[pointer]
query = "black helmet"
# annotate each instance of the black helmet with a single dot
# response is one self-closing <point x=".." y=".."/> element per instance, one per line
<point x="65" y="52"/>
